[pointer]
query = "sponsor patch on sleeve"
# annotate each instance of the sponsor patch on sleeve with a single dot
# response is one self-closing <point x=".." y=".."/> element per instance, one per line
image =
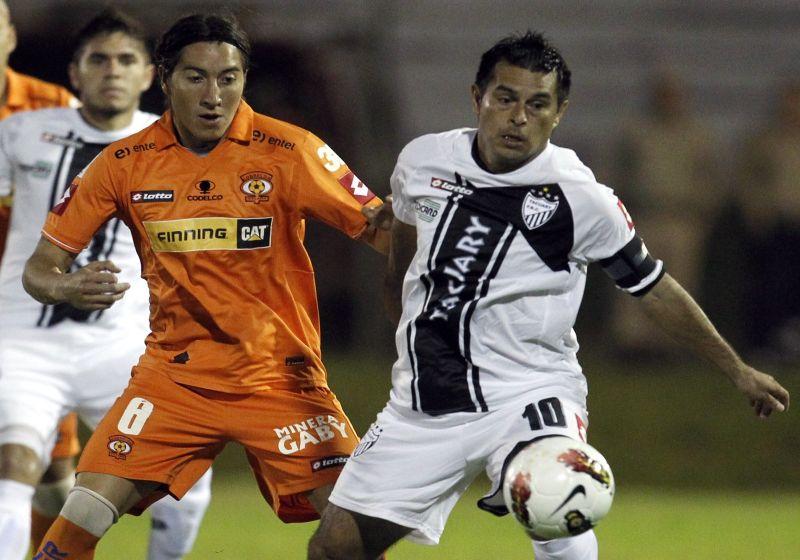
<point x="61" y="205"/>
<point x="359" y="190"/>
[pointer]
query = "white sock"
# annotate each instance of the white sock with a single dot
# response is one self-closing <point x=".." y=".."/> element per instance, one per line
<point x="15" y="519"/>
<point x="581" y="547"/>
<point x="175" y="523"/>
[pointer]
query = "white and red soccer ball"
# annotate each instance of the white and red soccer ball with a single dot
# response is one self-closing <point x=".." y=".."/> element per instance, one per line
<point x="557" y="487"/>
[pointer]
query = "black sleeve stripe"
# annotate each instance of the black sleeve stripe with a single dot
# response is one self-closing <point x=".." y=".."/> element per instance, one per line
<point x="631" y="265"/>
<point x="649" y="286"/>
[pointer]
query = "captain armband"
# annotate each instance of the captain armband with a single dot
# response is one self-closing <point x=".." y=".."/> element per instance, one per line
<point x="633" y="269"/>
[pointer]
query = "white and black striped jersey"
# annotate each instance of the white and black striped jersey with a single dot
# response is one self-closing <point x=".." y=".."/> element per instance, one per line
<point x="492" y="294"/>
<point x="40" y="153"/>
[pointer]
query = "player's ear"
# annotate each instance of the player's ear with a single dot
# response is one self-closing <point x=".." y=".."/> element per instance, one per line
<point x="561" y="110"/>
<point x="476" y="95"/>
<point x="12" y="39"/>
<point x="72" y="71"/>
<point x="149" y="76"/>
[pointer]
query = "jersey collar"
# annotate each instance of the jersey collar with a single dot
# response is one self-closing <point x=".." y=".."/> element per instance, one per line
<point x="240" y="131"/>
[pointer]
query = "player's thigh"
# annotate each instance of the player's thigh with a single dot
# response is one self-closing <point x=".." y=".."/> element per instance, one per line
<point x="540" y="414"/>
<point x="34" y="393"/>
<point x="297" y="442"/>
<point x="409" y="473"/>
<point x="158" y="431"/>
<point x="105" y="375"/>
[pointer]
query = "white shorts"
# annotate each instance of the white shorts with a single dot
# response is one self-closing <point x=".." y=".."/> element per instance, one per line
<point x="47" y="373"/>
<point x="411" y="469"/>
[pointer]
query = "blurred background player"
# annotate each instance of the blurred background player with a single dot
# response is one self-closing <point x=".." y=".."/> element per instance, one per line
<point x="768" y="197"/>
<point x="494" y="231"/>
<point x="218" y="197"/>
<point x="667" y="172"/>
<point x="54" y="359"/>
<point x="20" y="93"/>
<point x="24" y="93"/>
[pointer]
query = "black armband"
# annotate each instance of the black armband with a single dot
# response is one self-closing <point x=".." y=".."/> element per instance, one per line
<point x="633" y="269"/>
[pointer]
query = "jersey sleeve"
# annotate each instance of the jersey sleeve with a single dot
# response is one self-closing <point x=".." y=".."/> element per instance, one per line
<point x="329" y="191"/>
<point x="401" y="206"/>
<point x="610" y="238"/>
<point x="87" y="203"/>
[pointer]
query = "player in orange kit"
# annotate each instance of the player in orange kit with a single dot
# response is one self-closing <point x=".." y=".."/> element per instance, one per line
<point x="217" y="197"/>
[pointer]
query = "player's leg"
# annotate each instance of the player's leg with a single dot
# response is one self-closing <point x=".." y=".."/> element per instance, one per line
<point x="31" y="403"/>
<point x="158" y="432"/>
<point x="347" y="535"/>
<point x="403" y="480"/>
<point x="175" y="523"/>
<point x="92" y="507"/>
<point x="580" y="547"/>
<point x="57" y="480"/>
<point x="541" y="414"/>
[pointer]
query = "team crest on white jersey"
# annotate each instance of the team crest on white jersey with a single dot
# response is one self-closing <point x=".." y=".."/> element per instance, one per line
<point x="538" y="207"/>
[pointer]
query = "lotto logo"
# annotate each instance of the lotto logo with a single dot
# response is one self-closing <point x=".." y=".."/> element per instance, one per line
<point x="359" y="190"/>
<point x="138" y="197"/>
<point x="329" y="462"/>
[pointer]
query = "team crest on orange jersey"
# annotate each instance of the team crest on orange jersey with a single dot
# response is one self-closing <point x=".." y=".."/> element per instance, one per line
<point x="119" y="447"/>
<point x="256" y="186"/>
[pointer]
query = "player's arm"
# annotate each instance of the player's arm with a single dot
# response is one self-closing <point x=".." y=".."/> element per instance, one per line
<point x="48" y="280"/>
<point x="401" y="252"/>
<point x="672" y="308"/>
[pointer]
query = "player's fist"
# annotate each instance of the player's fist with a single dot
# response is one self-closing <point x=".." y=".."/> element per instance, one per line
<point x="763" y="391"/>
<point x="93" y="287"/>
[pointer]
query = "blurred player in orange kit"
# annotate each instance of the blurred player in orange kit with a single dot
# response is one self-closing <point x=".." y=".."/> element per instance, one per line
<point x="217" y="197"/>
<point x="51" y="357"/>
<point x="25" y="93"/>
<point x="20" y="93"/>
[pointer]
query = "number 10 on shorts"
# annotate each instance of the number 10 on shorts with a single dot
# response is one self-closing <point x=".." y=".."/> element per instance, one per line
<point x="136" y="414"/>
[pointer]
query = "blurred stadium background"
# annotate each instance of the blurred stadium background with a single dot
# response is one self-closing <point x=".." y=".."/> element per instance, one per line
<point x="698" y="476"/>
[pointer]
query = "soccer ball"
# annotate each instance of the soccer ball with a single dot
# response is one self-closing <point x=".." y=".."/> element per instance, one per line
<point x="558" y="487"/>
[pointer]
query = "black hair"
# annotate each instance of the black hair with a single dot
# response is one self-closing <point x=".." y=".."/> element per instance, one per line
<point x="199" y="28"/>
<point x="530" y="51"/>
<point x="106" y="22"/>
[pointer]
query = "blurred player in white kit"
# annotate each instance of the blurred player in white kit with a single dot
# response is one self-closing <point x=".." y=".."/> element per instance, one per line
<point x="55" y="358"/>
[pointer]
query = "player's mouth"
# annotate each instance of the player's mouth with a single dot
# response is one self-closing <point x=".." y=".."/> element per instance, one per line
<point x="513" y="140"/>
<point x="212" y="119"/>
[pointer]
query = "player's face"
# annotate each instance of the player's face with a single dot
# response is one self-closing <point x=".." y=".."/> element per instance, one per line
<point x="516" y="116"/>
<point x="8" y="36"/>
<point x="111" y="74"/>
<point x="204" y="91"/>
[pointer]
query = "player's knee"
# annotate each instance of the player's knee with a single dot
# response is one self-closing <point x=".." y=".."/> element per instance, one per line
<point x="20" y="462"/>
<point x="580" y="547"/>
<point x="90" y="511"/>
<point x="50" y="497"/>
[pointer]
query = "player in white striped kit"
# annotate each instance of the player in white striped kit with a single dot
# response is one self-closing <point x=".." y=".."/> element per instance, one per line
<point x="55" y="358"/>
<point x="494" y="231"/>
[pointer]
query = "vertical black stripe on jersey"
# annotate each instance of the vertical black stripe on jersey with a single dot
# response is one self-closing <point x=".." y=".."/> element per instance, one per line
<point x="56" y="190"/>
<point x="410" y="331"/>
<point x="443" y="359"/>
<point x="99" y="247"/>
<point x="475" y="370"/>
<point x="462" y="260"/>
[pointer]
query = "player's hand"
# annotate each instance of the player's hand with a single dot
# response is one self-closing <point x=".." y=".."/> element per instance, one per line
<point x="93" y="287"/>
<point x="380" y="217"/>
<point x="764" y="392"/>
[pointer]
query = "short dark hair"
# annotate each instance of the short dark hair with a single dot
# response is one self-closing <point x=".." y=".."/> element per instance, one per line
<point x="530" y="51"/>
<point x="200" y="28"/>
<point x="106" y="22"/>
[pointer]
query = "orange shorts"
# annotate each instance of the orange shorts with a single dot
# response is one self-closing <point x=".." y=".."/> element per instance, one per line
<point x="162" y="431"/>
<point x="67" y="444"/>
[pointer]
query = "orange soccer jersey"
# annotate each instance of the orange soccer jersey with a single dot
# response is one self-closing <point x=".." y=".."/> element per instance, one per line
<point x="233" y="304"/>
<point x="25" y="93"/>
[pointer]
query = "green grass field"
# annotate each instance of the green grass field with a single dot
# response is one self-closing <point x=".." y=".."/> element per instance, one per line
<point x="644" y="524"/>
